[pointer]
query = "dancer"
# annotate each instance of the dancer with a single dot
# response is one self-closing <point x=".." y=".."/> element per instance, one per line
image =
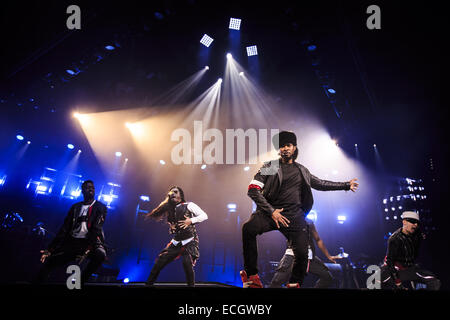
<point x="182" y="217"/>
<point x="402" y="251"/>
<point x="80" y="237"/>
<point x="282" y="192"/>
<point x="315" y="264"/>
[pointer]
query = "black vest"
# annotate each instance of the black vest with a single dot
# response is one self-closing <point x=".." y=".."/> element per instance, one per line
<point x="181" y="211"/>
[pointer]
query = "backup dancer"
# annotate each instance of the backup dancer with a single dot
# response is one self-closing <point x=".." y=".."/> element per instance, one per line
<point x="182" y="217"/>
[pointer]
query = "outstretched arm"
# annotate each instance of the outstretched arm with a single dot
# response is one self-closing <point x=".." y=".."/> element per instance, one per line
<point x="325" y="185"/>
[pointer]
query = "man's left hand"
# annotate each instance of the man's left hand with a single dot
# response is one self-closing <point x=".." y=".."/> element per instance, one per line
<point x="353" y="184"/>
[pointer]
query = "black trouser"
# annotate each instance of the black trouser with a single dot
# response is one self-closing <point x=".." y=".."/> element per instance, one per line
<point x="169" y="254"/>
<point x="414" y="273"/>
<point x="316" y="267"/>
<point x="68" y="252"/>
<point x="296" y="233"/>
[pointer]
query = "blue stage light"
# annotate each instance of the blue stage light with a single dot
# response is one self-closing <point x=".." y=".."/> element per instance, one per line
<point x="2" y="180"/>
<point x="19" y="137"/>
<point x="71" y="72"/>
<point x="206" y="40"/>
<point x="312" y="215"/>
<point x="126" y="280"/>
<point x="331" y="90"/>
<point x="144" y="198"/>
<point x="109" y="48"/>
<point x="235" y="24"/>
<point x="252" y="51"/>
<point x="70" y="146"/>
<point x="311" y="47"/>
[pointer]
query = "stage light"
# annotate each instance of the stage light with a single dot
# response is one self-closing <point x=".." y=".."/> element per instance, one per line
<point x="374" y="145"/>
<point x="252" y="51"/>
<point x="311" y="47"/>
<point x="118" y="154"/>
<point x="330" y="90"/>
<point x="206" y="68"/>
<point x="70" y="146"/>
<point x="2" y="180"/>
<point x="356" y="145"/>
<point x="203" y="167"/>
<point x="229" y="56"/>
<point x="241" y="73"/>
<point x="232" y="207"/>
<point x="162" y="162"/>
<point x="19" y="137"/>
<point x="126" y="280"/>
<point x="235" y="24"/>
<point x="206" y="40"/>
<point x="341" y="219"/>
<point x="136" y="129"/>
<point x="75" y="193"/>
<point x="144" y="198"/>
<point x="28" y="142"/>
<point x="126" y="159"/>
<point x="312" y="215"/>
<point x="335" y="172"/>
<point x="247" y="168"/>
<point x="79" y="151"/>
<point x="107" y="198"/>
<point x="71" y="72"/>
<point x="41" y="188"/>
<point x="109" y="47"/>
<point x="219" y="80"/>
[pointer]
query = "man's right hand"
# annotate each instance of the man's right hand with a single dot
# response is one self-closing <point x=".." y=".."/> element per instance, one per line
<point x="279" y="218"/>
<point x="45" y="255"/>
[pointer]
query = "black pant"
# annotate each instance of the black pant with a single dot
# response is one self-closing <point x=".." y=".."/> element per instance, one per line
<point x="316" y="267"/>
<point x="172" y="252"/>
<point x="296" y="233"/>
<point x="68" y="252"/>
<point x="414" y="273"/>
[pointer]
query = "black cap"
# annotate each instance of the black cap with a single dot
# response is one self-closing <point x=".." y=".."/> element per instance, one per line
<point x="284" y="137"/>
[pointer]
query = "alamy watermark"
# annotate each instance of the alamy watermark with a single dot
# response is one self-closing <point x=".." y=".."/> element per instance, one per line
<point x="229" y="147"/>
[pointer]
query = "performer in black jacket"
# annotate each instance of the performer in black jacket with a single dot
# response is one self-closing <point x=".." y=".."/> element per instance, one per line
<point x="182" y="217"/>
<point x="402" y="251"/>
<point x="81" y="236"/>
<point x="282" y="192"/>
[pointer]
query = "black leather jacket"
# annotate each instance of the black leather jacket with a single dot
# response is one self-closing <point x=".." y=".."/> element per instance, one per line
<point x="265" y="186"/>
<point x="96" y="218"/>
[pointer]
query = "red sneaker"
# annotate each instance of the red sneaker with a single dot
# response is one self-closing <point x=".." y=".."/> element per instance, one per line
<point x="292" y="285"/>
<point x="250" y="282"/>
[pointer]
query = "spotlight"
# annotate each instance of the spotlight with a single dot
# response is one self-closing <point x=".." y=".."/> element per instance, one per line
<point x="144" y="198"/>
<point x="311" y="47"/>
<point x="126" y="159"/>
<point x="356" y="145"/>
<point x="235" y="24"/>
<point x="252" y="51"/>
<point x="76" y="115"/>
<point x="312" y="215"/>
<point x="79" y="151"/>
<point x="206" y="68"/>
<point x="241" y="73"/>
<point x="247" y="168"/>
<point x="374" y="145"/>
<point x="70" y="146"/>
<point x="220" y="80"/>
<point x="203" y="167"/>
<point x="331" y="90"/>
<point x="118" y="154"/>
<point x="229" y="56"/>
<point x="19" y="137"/>
<point x="162" y="162"/>
<point x="232" y="207"/>
<point x="341" y="219"/>
<point x="28" y="142"/>
<point x="109" y="47"/>
<point x="206" y="40"/>
<point x="126" y="280"/>
<point x="71" y="72"/>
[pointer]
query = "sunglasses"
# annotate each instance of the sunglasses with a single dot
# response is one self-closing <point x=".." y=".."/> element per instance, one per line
<point x="413" y="221"/>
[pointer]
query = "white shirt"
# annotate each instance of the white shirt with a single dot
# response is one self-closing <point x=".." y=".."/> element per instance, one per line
<point x="83" y="230"/>
<point x="199" y="216"/>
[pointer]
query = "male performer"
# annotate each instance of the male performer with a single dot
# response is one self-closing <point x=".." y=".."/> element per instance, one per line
<point x="182" y="217"/>
<point x="402" y="251"/>
<point x="315" y="265"/>
<point x="80" y="237"/>
<point x="282" y="192"/>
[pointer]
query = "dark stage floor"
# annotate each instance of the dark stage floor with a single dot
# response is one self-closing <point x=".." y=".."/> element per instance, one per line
<point x="223" y="301"/>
